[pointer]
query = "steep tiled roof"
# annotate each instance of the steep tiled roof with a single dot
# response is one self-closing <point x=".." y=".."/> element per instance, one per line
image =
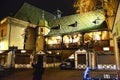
<point x="32" y="14"/>
<point x="85" y="22"/>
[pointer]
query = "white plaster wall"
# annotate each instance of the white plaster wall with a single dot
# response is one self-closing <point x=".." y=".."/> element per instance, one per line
<point x="4" y="44"/>
<point x="16" y="37"/>
<point x="4" y="41"/>
<point x="117" y="19"/>
<point x="118" y="14"/>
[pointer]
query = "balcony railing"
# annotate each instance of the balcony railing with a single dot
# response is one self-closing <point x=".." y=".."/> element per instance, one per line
<point x="100" y="43"/>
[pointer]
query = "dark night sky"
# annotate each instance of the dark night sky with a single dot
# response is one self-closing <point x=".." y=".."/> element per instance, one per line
<point x="10" y="7"/>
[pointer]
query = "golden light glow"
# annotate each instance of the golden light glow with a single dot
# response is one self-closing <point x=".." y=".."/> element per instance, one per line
<point x="4" y="20"/>
<point x="71" y="38"/>
<point x="96" y="35"/>
<point x="100" y="35"/>
<point x="66" y="39"/>
<point x="49" y="52"/>
<point x="1" y="51"/>
<point x="3" y="45"/>
<point x="105" y="35"/>
<point x="23" y="51"/>
<point x="83" y="6"/>
<point x="106" y="48"/>
<point x="54" y="40"/>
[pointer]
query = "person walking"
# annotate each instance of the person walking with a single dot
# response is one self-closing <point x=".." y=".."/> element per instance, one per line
<point x="38" y="68"/>
<point x="86" y="74"/>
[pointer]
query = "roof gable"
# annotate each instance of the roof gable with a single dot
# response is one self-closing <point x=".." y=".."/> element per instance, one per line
<point x="32" y="14"/>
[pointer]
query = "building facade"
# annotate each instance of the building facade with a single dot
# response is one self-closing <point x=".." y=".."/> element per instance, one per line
<point x="87" y="31"/>
<point x="19" y="33"/>
<point x="115" y="32"/>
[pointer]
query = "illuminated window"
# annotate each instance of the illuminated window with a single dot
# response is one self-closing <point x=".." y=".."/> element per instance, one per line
<point x="54" y="40"/>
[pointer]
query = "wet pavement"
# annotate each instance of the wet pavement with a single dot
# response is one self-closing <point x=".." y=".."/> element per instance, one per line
<point x="55" y="74"/>
<point x="49" y="74"/>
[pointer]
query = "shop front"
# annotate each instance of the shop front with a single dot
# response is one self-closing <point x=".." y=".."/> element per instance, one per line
<point x="84" y="58"/>
<point x="105" y="58"/>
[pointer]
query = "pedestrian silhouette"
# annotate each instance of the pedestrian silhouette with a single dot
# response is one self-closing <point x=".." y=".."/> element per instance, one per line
<point x="38" y="68"/>
<point x="86" y="74"/>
